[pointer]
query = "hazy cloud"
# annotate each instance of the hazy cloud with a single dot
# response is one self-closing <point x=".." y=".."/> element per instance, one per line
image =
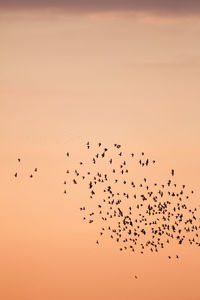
<point x="158" y="7"/>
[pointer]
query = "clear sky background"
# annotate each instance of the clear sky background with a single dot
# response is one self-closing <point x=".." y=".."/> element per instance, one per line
<point x="114" y="71"/>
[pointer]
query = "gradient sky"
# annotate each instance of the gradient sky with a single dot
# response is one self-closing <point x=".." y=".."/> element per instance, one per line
<point x="170" y="7"/>
<point x="72" y="71"/>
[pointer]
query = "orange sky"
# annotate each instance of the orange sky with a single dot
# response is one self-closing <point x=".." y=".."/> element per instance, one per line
<point x="69" y="78"/>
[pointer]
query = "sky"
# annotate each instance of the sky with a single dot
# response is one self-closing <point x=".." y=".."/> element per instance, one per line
<point x="109" y="71"/>
<point x="170" y="7"/>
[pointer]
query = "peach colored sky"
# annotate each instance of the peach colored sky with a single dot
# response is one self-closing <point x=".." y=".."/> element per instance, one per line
<point x="67" y="78"/>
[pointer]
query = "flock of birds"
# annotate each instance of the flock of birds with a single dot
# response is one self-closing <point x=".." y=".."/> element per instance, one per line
<point x="31" y="175"/>
<point x="139" y="216"/>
